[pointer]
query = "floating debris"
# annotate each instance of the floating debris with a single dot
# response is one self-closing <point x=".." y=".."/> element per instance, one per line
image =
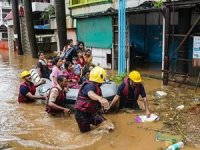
<point x="160" y="94"/>
<point x="185" y="122"/>
<point x="180" y="107"/>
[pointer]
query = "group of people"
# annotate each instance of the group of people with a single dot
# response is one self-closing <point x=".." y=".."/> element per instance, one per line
<point x="75" y="62"/>
<point x="90" y="103"/>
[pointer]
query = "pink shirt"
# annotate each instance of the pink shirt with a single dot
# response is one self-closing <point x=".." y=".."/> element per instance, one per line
<point x="70" y="74"/>
<point x="55" y="73"/>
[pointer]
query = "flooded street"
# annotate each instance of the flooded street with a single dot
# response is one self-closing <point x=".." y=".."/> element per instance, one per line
<point x="27" y="126"/>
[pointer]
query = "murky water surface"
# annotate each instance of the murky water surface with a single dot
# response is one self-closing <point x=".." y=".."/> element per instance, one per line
<point x="27" y="126"/>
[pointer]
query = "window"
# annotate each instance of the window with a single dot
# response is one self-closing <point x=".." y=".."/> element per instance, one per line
<point x="85" y="2"/>
<point x="4" y="35"/>
<point x="109" y="58"/>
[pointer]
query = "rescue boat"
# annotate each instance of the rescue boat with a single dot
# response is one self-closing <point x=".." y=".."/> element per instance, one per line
<point x="108" y="88"/>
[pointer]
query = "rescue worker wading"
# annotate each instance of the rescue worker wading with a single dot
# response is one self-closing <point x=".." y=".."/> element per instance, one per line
<point x="55" y="104"/>
<point x="27" y="89"/>
<point x="128" y="93"/>
<point x="90" y="100"/>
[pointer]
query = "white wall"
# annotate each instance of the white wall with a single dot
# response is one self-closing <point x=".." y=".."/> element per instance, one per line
<point x="90" y="9"/>
<point x="100" y="57"/>
<point x="53" y="23"/>
<point x="38" y="6"/>
<point x="1" y="13"/>
<point x="66" y="8"/>
<point x="71" y="34"/>
<point x="9" y="22"/>
<point x="134" y="3"/>
<point x="5" y="4"/>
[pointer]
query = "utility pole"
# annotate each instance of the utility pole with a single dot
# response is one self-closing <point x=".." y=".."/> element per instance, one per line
<point x="121" y="36"/>
<point x="166" y="26"/>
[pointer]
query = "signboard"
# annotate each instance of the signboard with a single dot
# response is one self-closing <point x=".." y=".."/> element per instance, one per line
<point x="196" y="51"/>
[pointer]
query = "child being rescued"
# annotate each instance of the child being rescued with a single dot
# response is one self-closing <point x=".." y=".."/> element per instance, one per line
<point x="71" y="77"/>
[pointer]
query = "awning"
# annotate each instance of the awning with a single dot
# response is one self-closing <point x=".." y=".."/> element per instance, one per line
<point x="47" y="26"/>
<point x="9" y="16"/>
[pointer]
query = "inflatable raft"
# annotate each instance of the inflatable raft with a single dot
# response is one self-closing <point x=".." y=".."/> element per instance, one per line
<point x="108" y="88"/>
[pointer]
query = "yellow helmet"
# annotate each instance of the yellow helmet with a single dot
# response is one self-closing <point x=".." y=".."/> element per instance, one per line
<point x="25" y="73"/>
<point x="97" y="74"/>
<point x="135" y="76"/>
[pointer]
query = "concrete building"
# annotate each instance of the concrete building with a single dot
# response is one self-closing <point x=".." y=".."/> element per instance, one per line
<point x="97" y="25"/>
<point x="45" y="36"/>
<point x="45" y="33"/>
<point x="154" y="41"/>
<point x="5" y="8"/>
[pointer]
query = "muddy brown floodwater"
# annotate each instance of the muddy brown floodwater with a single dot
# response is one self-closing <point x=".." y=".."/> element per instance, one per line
<point x="27" y="126"/>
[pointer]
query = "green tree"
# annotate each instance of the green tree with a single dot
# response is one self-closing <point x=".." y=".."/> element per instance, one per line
<point x="16" y="24"/>
<point x="48" y="12"/>
<point x="158" y="3"/>
<point x="30" y="27"/>
<point x="61" y="21"/>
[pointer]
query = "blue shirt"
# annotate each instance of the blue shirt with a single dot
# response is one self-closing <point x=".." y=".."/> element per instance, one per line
<point x="24" y="90"/>
<point x="131" y="94"/>
<point x="88" y="87"/>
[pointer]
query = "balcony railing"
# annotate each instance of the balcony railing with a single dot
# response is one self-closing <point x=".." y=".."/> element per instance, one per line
<point x="5" y="5"/>
<point x="74" y="3"/>
<point x="38" y="5"/>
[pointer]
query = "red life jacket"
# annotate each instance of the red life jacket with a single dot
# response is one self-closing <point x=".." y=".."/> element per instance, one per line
<point x="84" y="103"/>
<point x="25" y="99"/>
<point x="59" y="101"/>
<point x="126" y="89"/>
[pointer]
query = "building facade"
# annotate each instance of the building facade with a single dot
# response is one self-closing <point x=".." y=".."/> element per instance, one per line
<point x="45" y="35"/>
<point x="97" y="25"/>
<point x="5" y="8"/>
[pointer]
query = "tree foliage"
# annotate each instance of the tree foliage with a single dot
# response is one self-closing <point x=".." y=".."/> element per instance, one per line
<point x="158" y="3"/>
<point x="49" y="11"/>
<point x="118" y="79"/>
